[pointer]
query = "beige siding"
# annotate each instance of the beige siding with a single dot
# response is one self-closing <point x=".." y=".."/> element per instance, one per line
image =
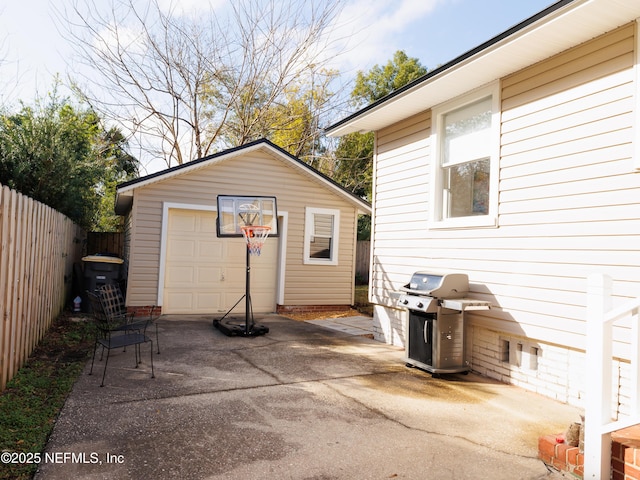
<point x="401" y="201"/>
<point x="318" y="284"/>
<point x="569" y="197"/>
<point x="127" y="242"/>
<point x="254" y="173"/>
<point x="568" y="191"/>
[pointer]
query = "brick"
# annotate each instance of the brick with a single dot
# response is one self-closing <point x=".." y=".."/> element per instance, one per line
<point x="547" y="445"/>
<point x="631" y="472"/>
<point x="143" y="310"/>
<point x="567" y="454"/>
<point x="616" y="450"/>
<point x="486" y="352"/>
<point x="559" y="464"/>
<point x="529" y="387"/>
<point x="579" y="471"/>
<point x="572" y="455"/>
<point x="617" y="465"/>
<point x="554" y="382"/>
<point x="521" y="376"/>
<point x="561" y="450"/>
<point x="503" y="371"/>
<point x="629" y="455"/>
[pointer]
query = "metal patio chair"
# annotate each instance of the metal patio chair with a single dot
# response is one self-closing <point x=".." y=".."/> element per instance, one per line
<point x="113" y="302"/>
<point x="112" y="333"/>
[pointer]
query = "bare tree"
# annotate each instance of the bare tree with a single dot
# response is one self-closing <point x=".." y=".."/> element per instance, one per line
<point x="186" y="86"/>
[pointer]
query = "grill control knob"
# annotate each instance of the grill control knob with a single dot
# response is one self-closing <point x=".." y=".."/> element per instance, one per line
<point x="405" y="301"/>
<point x="420" y="305"/>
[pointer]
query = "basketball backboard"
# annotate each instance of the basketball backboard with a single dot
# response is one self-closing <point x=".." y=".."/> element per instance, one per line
<point x="239" y="211"/>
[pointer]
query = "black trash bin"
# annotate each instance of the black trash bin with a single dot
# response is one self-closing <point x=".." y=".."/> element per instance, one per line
<point x="99" y="270"/>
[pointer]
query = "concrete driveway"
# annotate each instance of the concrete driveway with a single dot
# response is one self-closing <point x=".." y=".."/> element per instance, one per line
<point x="302" y="402"/>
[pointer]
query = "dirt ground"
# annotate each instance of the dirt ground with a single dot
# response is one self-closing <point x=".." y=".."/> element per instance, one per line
<point x="304" y="316"/>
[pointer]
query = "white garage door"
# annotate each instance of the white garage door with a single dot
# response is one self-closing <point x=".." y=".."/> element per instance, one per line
<point x="206" y="274"/>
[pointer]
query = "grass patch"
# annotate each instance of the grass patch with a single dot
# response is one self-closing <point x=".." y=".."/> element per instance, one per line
<point x="34" y="397"/>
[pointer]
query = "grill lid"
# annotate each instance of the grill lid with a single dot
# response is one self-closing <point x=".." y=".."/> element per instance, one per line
<point x="449" y="285"/>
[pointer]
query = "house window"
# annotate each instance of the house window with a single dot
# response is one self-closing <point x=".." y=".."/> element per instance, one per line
<point x="465" y="145"/>
<point x="321" y="236"/>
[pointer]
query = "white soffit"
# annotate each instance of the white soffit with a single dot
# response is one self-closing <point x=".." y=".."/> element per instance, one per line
<point x="573" y="24"/>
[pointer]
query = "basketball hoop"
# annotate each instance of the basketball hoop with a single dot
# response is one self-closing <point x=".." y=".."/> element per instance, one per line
<point x="248" y="213"/>
<point x="254" y="218"/>
<point x="255" y="235"/>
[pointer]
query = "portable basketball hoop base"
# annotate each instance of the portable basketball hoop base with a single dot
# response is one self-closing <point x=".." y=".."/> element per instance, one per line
<point x="255" y="237"/>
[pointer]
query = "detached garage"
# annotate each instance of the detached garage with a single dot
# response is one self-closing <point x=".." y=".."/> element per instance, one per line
<point x="175" y="260"/>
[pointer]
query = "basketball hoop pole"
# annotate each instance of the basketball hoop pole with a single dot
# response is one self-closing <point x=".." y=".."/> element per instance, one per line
<point x="255" y="237"/>
<point x="248" y="309"/>
<point x="254" y="217"/>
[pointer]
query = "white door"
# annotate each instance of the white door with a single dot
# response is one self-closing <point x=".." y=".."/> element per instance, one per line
<point x="205" y="274"/>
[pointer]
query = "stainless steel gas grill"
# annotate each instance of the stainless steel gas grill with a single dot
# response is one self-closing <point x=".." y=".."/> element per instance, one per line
<point x="436" y="327"/>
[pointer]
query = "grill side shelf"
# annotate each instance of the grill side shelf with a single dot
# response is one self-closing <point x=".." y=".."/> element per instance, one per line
<point x="465" y="304"/>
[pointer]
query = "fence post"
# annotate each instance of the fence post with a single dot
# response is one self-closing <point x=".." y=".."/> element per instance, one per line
<point x="597" y="445"/>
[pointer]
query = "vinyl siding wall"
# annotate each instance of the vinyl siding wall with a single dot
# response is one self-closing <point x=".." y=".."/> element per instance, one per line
<point x="569" y="203"/>
<point x="401" y="201"/>
<point x="127" y="243"/>
<point x="569" y="195"/>
<point x="255" y="173"/>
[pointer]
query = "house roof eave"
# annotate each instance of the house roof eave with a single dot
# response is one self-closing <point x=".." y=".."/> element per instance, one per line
<point x="559" y="27"/>
<point x="123" y="204"/>
<point x="125" y="190"/>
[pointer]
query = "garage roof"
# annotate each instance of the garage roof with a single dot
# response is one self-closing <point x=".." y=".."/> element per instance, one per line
<point x="124" y="191"/>
<point x="558" y="27"/>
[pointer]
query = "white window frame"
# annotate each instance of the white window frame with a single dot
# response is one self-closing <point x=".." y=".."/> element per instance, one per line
<point x="310" y="213"/>
<point x="437" y="219"/>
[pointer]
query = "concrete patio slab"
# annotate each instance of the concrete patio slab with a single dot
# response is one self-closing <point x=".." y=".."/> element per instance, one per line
<point x="361" y="325"/>
<point x="302" y="402"/>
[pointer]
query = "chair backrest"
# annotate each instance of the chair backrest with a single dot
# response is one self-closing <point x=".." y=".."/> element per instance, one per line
<point x="102" y="321"/>
<point x="112" y="300"/>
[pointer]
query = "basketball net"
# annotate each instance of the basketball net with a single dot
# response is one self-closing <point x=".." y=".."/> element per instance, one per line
<point x="255" y="236"/>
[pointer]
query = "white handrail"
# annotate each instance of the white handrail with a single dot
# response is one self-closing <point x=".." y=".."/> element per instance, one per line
<point x="598" y="362"/>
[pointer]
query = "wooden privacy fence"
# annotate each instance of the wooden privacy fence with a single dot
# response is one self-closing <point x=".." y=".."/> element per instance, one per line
<point x="105" y="242"/>
<point x="363" y="248"/>
<point x="39" y="248"/>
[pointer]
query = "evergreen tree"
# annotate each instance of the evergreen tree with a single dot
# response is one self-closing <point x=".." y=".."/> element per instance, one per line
<point x="60" y="155"/>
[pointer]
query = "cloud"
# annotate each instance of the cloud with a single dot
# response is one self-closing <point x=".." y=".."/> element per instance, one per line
<point x="371" y="31"/>
<point x="366" y="32"/>
<point x="189" y="7"/>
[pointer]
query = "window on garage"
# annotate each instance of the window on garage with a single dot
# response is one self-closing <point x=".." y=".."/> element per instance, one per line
<point x="321" y="236"/>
